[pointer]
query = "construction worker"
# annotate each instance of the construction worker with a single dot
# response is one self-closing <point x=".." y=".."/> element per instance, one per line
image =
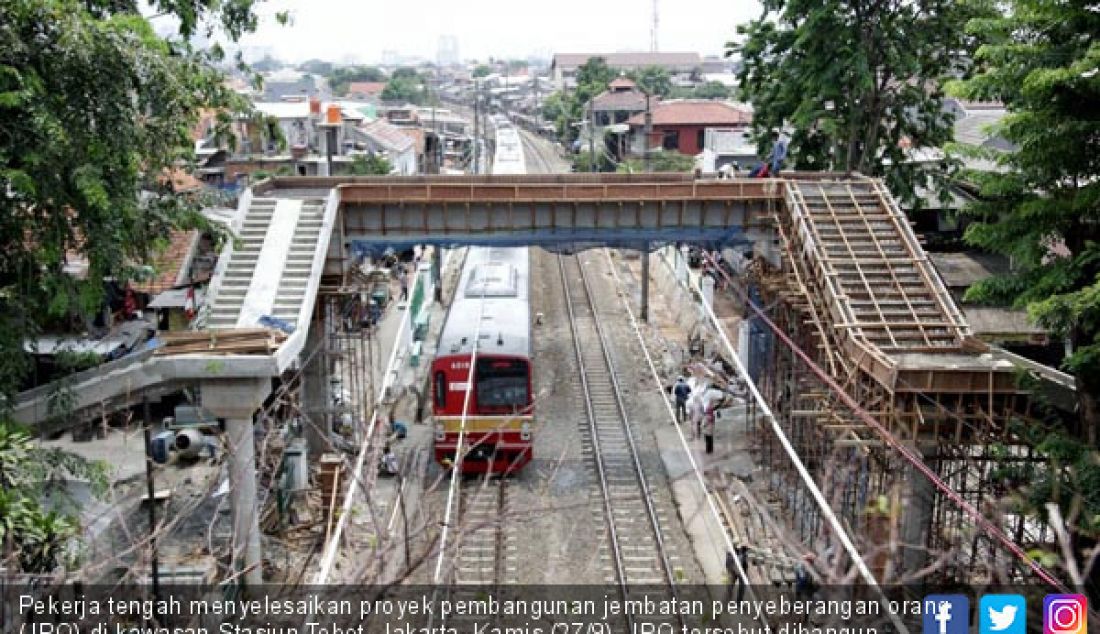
<point x="681" y="391"/>
<point x="403" y="279"/>
<point x="708" y="428"/>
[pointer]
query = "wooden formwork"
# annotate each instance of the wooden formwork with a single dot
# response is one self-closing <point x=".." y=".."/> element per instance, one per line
<point x="858" y="293"/>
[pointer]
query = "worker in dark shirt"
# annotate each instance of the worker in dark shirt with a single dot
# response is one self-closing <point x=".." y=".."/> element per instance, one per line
<point x="681" y="391"/>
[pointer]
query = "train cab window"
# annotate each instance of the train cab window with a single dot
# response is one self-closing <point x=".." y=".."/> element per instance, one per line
<point x="440" y="389"/>
<point x="502" y="384"/>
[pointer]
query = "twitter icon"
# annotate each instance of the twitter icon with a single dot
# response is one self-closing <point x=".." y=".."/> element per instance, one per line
<point x="1002" y="614"/>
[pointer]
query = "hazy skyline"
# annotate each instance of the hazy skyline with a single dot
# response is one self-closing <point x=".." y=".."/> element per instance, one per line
<point x="341" y="30"/>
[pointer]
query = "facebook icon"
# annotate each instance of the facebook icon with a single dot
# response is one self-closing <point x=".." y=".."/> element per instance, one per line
<point x="946" y="614"/>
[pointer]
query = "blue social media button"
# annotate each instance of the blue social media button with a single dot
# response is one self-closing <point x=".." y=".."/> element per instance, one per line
<point x="946" y="614"/>
<point x="1002" y="614"/>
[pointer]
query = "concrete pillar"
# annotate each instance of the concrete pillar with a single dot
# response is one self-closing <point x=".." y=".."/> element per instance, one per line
<point x="437" y="273"/>
<point x="315" y="389"/>
<point x="236" y="400"/>
<point x="916" y="516"/>
<point x="645" y="283"/>
<point x="708" y="291"/>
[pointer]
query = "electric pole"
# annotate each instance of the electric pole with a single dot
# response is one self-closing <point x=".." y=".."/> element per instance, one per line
<point x="648" y="132"/>
<point x="591" y="137"/>
<point x="477" y="98"/>
<point x="653" y="30"/>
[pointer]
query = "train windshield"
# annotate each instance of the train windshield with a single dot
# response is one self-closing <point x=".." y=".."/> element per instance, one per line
<point x="502" y="384"/>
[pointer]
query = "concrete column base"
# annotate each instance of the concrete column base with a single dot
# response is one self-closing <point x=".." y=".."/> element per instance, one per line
<point x="236" y="400"/>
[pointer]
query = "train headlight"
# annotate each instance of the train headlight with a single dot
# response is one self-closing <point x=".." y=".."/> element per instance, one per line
<point x="440" y="434"/>
<point x="525" y="431"/>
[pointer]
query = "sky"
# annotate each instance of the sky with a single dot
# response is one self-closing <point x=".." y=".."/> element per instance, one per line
<point x="360" y="30"/>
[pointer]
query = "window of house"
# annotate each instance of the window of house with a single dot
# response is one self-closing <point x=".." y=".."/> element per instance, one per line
<point x="699" y="139"/>
<point x="671" y="140"/>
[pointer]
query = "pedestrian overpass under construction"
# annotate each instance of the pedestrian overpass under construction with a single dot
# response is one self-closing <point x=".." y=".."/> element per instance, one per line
<point x="841" y="270"/>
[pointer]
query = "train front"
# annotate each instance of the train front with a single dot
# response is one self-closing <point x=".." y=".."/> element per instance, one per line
<point x="499" y="409"/>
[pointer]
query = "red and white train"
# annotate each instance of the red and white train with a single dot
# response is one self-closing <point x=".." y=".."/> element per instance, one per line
<point x="491" y="308"/>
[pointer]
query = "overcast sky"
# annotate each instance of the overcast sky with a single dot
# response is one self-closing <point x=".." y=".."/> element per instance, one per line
<point x="343" y="30"/>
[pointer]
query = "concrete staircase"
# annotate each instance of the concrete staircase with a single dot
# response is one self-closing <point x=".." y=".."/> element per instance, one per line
<point x="292" y="287"/>
<point x="294" y="277"/>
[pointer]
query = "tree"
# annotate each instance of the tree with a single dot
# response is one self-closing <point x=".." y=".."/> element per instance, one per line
<point x="404" y="89"/>
<point x="482" y="70"/>
<point x="267" y="64"/>
<point x="28" y="473"/>
<point x="653" y="80"/>
<point x="370" y="165"/>
<point x="712" y="90"/>
<point x="659" y="161"/>
<point x="1041" y="206"/>
<point x="95" y="110"/>
<point x="316" y="66"/>
<point x="854" y="78"/>
<point x="340" y="78"/>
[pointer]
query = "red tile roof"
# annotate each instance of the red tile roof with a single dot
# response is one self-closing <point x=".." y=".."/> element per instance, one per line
<point x="366" y="88"/>
<point x="694" y="112"/>
<point x="168" y="264"/>
<point x="621" y="82"/>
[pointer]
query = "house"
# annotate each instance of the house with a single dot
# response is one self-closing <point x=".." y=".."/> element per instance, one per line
<point x="619" y="102"/>
<point x="681" y="125"/>
<point x="380" y="137"/>
<point x="563" y="68"/>
<point x="1005" y="327"/>
<point x="371" y="90"/>
<point x="731" y="147"/>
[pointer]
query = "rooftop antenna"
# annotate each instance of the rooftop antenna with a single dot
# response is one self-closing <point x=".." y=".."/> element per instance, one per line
<point x="653" y="30"/>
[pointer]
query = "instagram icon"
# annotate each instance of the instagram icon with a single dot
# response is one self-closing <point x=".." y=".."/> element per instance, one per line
<point x="1065" y="614"/>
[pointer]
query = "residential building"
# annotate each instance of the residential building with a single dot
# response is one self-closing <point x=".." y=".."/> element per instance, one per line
<point x="380" y="137"/>
<point x="681" y="125"/>
<point x="563" y="68"/>
<point x="619" y="102"/>
<point x="371" y="90"/>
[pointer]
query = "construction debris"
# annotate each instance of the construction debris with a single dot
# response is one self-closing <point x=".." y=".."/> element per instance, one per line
<point x="222" y="341"/>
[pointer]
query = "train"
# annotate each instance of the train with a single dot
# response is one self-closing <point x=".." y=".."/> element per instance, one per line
<point x="508" y="157"/>
<point x="492" y="308"/>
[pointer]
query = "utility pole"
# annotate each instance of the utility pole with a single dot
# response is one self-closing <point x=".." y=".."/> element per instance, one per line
<point x="653" y="30"/>
<point x="154" y="560"/>
<point x="648" y="132"/>
<point x="435" y="132"/>
<point x="477" y="98"/>
<point x="538" y="111"/>
<point x="591" y="137"/>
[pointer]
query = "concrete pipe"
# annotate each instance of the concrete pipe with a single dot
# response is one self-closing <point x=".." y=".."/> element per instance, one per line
<point x="189" y="442"/>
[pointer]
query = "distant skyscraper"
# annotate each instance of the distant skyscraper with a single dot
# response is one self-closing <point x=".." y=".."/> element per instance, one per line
<point x="447" y="52"/>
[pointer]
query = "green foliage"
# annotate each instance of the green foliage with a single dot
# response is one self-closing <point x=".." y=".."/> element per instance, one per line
<point x="28" y="474"/>
<point x="712" y="90"/>
<point x="659" y="161"/>
<point x="482" y="70"/>
<point x="316" y="67"/>
<point x="341" y="77"/>
<point x="370" y="165"/>
<point x="854" y="79"/>
<point x="565" y="109"/>
<point x="267" y="64"/>
<point x="1041" y="206"/>
<point x="406" y="86"/>
<point x="652" y="80"/>
<point x="95" y="108"/>
<point x="582" y="162"/>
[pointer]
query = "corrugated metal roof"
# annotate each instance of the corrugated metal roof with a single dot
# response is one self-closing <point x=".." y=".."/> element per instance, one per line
<point x="386" y="135"/>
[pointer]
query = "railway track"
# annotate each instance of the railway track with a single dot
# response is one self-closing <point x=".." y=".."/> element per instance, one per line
<point x="484" y="545"/>
<point x="536" y="155"/>
<point x="637" y="547"/>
